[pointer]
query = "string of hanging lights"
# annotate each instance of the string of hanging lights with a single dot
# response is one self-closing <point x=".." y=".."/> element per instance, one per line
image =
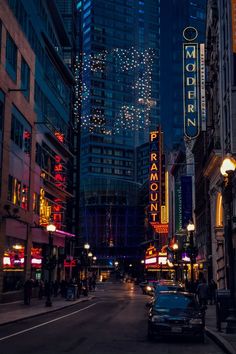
<point x="133" y="63"/>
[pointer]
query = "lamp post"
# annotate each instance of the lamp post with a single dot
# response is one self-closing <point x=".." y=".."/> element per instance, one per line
<point x="175" y="248"/>
<point x="50" y="229"/>
<point x="86" y="247"/>
<point x="227" y="169"/>
<point x="191" y="229"/>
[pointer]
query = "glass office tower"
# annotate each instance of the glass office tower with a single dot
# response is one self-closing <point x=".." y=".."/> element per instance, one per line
<point x="119" y="106"/>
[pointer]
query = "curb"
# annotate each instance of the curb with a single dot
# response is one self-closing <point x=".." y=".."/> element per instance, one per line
<point x="46" y="312"/>
<point x="222" y="342"/>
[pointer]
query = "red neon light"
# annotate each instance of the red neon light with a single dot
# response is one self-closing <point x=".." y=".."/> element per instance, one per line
<point x="60" y="137"/>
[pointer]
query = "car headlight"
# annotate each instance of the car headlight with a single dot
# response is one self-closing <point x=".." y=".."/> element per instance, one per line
<point x="195" y="321"/>
<point x="148" y="288"/>
<point x="157" y="319"/>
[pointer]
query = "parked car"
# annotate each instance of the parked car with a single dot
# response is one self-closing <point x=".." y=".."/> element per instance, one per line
<point x="175" y="313"/>
<point x="167" y="287"/>
<point x="148" y="287"/>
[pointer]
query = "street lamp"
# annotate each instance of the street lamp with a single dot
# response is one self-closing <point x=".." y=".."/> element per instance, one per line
<point x="50" y="229"/>
<point x="86" y="247"/>
<point x="227" y="169"/>
<point x="191" y="229"/>
<point x="175" y="248"/>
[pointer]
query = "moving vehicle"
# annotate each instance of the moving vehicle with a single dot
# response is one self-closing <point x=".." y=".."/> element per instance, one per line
<point x="175" y="313"/>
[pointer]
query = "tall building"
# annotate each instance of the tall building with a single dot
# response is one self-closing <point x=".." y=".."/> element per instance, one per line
<point x="36" y="144"/>
<point x="175" y="16"/>
<point x="120" y="91"/>
<point x="215" y="222"/>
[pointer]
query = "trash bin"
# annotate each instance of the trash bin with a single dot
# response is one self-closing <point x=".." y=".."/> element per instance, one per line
<point x="71" y="292"/>
<point x="222" y="306"/>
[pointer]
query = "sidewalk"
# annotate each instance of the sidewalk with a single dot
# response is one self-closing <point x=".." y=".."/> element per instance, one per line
<point x="12" y="312"/>
<point x="226" y="341"/>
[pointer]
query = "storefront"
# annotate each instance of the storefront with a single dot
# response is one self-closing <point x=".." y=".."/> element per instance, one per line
<point x="156" y="264"/>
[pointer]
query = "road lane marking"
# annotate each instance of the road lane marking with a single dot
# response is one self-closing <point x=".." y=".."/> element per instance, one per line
<point x="48" y="322"/>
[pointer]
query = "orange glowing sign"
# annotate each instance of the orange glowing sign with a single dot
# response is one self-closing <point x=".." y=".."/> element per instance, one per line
<point x="154" y="177"/>
<point x="160" y="228"/>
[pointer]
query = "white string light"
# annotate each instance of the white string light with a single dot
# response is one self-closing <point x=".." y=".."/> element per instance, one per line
<point x="137" y="65"/>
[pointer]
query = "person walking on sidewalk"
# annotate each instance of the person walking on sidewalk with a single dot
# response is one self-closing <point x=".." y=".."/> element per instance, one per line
<point x="203" y="292"/>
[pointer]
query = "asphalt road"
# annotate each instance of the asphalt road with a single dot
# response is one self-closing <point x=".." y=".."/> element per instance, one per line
<point x="114" y="322"/>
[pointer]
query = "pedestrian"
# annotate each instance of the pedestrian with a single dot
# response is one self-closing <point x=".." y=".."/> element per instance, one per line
<point x="212" y="292"/>
<point x="203" y="292"/>
<point x="27" y="291"/>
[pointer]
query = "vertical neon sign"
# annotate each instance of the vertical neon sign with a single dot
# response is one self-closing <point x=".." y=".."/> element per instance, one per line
<point x="191" y="84"/>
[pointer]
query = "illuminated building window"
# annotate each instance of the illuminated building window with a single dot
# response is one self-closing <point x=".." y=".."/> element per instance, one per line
<point x="14" y="190"/>
<point x="219" y="211"/>
<point x="45" y="209"/>
<point x="36" y="203"/>
<point x="24" y="197"/>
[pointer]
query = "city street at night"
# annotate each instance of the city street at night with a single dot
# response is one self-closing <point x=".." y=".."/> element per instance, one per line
<point x="115" y="321"/>
<point x="117" y="176"/>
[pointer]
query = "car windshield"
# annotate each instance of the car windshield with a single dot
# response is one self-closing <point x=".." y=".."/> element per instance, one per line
<point x="175" y="301"/>
<point x="168" y="287"/>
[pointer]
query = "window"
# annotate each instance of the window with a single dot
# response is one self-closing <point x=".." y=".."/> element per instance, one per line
<point x="118" y="153"/>
<point x="25" y="78"/>
<point x="14" y="190"/>
<point x="96" y="150"/>
<point x="38" y="155"/>
<point x="1" y="110"/>
<point x="11" y="57"/>
<point x="24" y="197"/>
<point x="20" y="131"/>
<point x="16" y="131"/>
<point x="117" y="171"/>
<point x="107" y="170"/>
<point x="27" y="141"/>
<point x="36" y="199"/>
